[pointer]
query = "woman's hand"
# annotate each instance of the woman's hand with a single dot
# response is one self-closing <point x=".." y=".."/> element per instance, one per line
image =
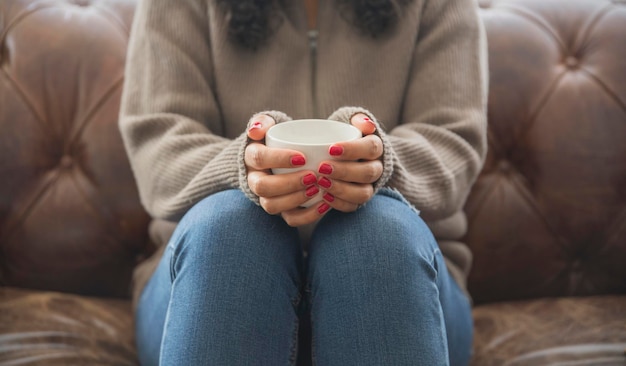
<point x="281" y="193"/>
<point x="348" y="180"/>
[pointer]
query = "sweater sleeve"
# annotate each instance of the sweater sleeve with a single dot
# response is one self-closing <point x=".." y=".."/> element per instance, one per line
<point x="167" y="103"/>
<point x="440" y="146"/>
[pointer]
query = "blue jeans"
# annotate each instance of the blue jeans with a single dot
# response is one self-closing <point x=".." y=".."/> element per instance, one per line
<point x="233" y="281"/>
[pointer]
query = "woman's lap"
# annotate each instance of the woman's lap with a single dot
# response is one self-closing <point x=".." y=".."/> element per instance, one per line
<point x="376" y="284"/>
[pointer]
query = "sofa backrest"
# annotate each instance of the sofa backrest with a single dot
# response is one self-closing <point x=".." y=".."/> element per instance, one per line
<point x="547" y="216"/>
<point x="70" y="219"/>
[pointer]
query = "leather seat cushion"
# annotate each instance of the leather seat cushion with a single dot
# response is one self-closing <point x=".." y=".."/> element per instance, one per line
<point x="561" y="331"/>
<point x="50" y="328"/>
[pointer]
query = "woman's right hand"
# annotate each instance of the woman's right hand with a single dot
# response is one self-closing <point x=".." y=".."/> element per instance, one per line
<point x="281" y="193"/>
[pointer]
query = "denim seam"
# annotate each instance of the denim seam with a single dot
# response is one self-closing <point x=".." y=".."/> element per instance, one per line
<point x="293" y="358"/>
<point x="172" y="262"/>
<point x="433" y="262"/>
<point x="308" y="297"/>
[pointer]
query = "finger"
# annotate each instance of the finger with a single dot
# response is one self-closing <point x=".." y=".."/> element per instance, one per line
<point x="258" y="126"/>
<point x="363" y="123"/>
<point x="287" y="202"/>
<point x="366" y="148"/>
<point x="353" y="193"/>
<point x="259" y="157"/>
<point x="305" y="216"/>
<point x="264" y="184"/>
<point x="352" y="171"/>
<point x="339" y="204"/>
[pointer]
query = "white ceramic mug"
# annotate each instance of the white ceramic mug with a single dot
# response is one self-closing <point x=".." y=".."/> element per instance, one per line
<point x="311" y="137"/>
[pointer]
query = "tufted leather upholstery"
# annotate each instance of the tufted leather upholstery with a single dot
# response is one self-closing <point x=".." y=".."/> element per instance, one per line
<point x="70" y="219"/>
<point x="547" y="217"/>
<point x="548" y="214"/>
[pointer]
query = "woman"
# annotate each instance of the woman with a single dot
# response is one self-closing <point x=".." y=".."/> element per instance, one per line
<point x="231" y="284"/>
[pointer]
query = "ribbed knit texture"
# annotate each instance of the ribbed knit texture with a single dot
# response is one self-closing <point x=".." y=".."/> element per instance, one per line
<point x="189" y="93"/>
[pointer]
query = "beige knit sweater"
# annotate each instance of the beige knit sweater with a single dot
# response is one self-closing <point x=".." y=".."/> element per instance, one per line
<point x="189" y="93"/>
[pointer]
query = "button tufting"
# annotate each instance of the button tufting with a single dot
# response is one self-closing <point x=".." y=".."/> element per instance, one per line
<point x="81" y="2"/>
<point x="576" y="266"/>
<point x="66" y="162"/>
<point x="504" y="166"/>
<point x="571" y="62"/>
<point x="484" y="4"/>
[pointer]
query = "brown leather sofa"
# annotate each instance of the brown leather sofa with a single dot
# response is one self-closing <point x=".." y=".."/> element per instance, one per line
<point x="547" y="218"/>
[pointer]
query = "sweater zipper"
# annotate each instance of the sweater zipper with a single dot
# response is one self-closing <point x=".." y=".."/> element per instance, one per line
<point x="313" y="33"/>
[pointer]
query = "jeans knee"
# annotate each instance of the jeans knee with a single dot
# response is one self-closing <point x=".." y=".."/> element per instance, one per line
<point x="221" y="213"/>
<point x="385" y="243"/>
<point x="227" y="226"/>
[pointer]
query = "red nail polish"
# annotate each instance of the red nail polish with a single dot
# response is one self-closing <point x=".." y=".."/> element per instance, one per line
<point x="335" y="150"/>
<point x="297" y="160"/>
<point x="256" y="125"/>
<point x="325" y="169"/>
<point x="309" y="179"/>
<point x="328" y="197"/>
<point x="312" y="191"/>
<point x="323" y="208"/>
<point x="324" y="182"/>
<point x="370" y="126"/>
<point x="369" y="121"/>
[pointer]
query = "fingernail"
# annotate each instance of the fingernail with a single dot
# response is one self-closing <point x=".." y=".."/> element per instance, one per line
<point x="312" y="191"/>
<point x="323" y="208"/>
<point x="255" y="126"/>
<point x="297" y="160"/>
<point x="335" y="150"/>
<point x="324" y="182"/>
<point x="309" y="179"/>
<point x="328" y="197"/>
<point x="325" y="169"/>
<point x="367" y="119"/>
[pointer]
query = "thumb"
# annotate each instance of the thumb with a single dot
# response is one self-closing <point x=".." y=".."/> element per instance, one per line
<point x="258" y="126"/>
<point x="364" y="123"/>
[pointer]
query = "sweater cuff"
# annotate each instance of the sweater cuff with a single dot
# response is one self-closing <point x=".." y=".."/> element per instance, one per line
<point x="344" y="114"/>
<point x="243" y="143"/>
<point x="278" y="116"/>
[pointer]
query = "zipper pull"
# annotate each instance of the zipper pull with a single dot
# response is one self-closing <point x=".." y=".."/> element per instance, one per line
<point x="313" y="39"/>
<point x="313" y="33"/>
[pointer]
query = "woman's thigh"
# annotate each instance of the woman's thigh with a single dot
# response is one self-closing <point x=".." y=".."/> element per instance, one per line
<point x="378" y="283"/>
<point x="229" y="278"/>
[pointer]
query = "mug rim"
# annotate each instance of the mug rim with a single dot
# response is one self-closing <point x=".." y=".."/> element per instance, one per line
<point x="277" y="127"/>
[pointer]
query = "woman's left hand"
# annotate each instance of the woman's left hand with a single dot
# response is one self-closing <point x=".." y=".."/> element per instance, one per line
<point x="348" y="180"/>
